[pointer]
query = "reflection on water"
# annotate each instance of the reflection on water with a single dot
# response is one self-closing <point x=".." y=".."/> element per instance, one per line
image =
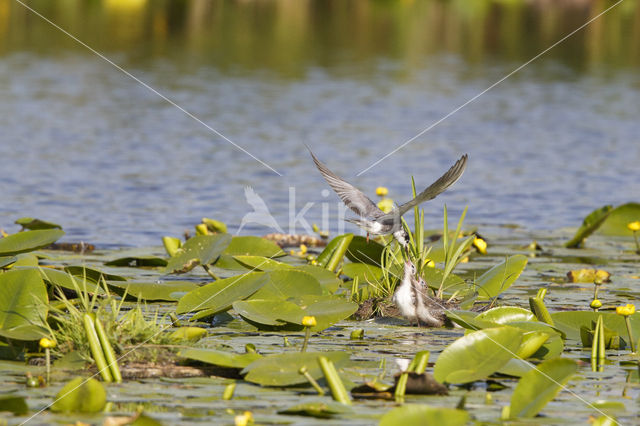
<point x="289" y="36"/>
<point x="88" y="147"/>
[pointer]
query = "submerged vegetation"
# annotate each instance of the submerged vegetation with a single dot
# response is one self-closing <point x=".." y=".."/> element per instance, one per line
<point x="243" y="313"/>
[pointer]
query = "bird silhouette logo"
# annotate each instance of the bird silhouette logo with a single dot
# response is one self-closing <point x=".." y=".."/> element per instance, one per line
<point x="260" y="214"/>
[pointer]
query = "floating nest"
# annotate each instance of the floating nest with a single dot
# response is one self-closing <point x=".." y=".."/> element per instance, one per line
<point x="376" y="307"/>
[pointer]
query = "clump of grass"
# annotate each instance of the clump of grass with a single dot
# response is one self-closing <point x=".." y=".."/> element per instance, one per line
<point x="124" y="329"/>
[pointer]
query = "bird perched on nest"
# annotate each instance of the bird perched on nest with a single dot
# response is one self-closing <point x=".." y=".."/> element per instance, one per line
<point x="373" y="220"/>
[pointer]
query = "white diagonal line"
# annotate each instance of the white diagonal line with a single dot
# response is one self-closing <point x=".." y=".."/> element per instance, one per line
<point x="134" y="348"/>
<point x="127" y="73"/>
<point x="426" y="129"/>
<point x="534" y="367"/>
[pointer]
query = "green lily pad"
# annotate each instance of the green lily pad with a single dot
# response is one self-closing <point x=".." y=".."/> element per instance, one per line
<point x="22" y="242"/>
<point x="63" y="279"/>
<point x="468" y="320"/>
<point x="23" y="305"/>
<point x="570" y="322"/>
<point x="284" y="369"/>
<point x="7" y="260"/>
<point x="91" y="274"/>
<point x="516" y="367"/>
<point x="617" y="220"/>
<point x="361" y="251"/>
<point x="261" y="263"/>
<point x="589" y="225"/>
<point x="188" y="334"/>
<point x="327" y="279"/>
<point x="553" y="345"/>
<point x="269" y="312"/>
<point x="419" y="415"/>
<point x="220" y="295"/>
<point x="327" y="310"/>
<point x="363" y="271"/>
<point x="433" y="278"/>
<point x="226" y="261"/>
<point x="26" y="259"/>
<point x="506" y="314"/>
<point x="319" y="409"/>
<point x="477" y="355"/>
<point x="539" y="386"/>
<point x="532" y="341"/>
<point x="165" y="290"/>
<point x="500" y="277"/>
<point x="253" y="246"/>
<point x="80" y="395"/>
<point x="15" y="404"/>
<point x="138" y="261"/>
<point x="220" y="358"/>
<point x="35" y="224"/>
<point x="198" y="250"/>
<point x="288" y="283"/>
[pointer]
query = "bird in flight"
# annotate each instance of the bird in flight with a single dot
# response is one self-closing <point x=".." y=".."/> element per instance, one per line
<point x="373" y="220"/>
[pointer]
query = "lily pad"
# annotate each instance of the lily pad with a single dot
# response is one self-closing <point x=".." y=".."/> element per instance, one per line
<point x="327" y="279"/>
<point x="433" y="278"/>
<point x="570" y="322"/>
<point x="419" y="415"/>
<point x="319" y="409"/>
<point x="165" y="290"/>
<point x="63" y="279"/>
<point x="7" y="260"/>
<point x="539" y="386"/>
<point x="269" y="312"/>
<point x="500" y="277"/>
<point x="220" y="295"/>
<point x="22" y="242"/>
<point x="617" y="220"/>
<point x="364" y="272"/>
<point x="284" y="369"/>
<point x="15" y="404"/>
<point x="261" y="263"/>
<point x="91" y="274"/>
<point x="23" y="305"/>
<point x="589" y="225"/>
<point x="198" y="250"/>
<point x="220" y="358"/>
<point x="253" y="246"/>
<point x="477" y="355"/>
<point x="361" y="251"/>
<point x="327" y="310"/>
<point x="80" y="395"/>
<point x="138" y="261"/>
<point x="35" y="224"/>
<point x="288" y="283"/>
<point x="506" y="314"/>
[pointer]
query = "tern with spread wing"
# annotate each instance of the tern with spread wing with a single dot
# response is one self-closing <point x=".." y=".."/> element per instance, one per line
<point x="373" y="220"/>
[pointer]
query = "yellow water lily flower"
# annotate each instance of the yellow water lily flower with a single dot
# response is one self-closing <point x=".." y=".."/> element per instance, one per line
<point x="303" y="249"/>
<point x="634" y="226"/>
<point x="244" y="419"/>
<point x="595" y="304"/>
<point x="480" y="245"/>
<point x="309" y="321"/>
<point x="628" y="309"/>
<point x="381" y="191"/>
<point x="386" y="205"/>
<point x="47" y="343"/>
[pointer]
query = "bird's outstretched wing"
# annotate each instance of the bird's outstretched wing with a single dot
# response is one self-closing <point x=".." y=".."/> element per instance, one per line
<point x="437" y="187"/>
<point x="351" y="196"/>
